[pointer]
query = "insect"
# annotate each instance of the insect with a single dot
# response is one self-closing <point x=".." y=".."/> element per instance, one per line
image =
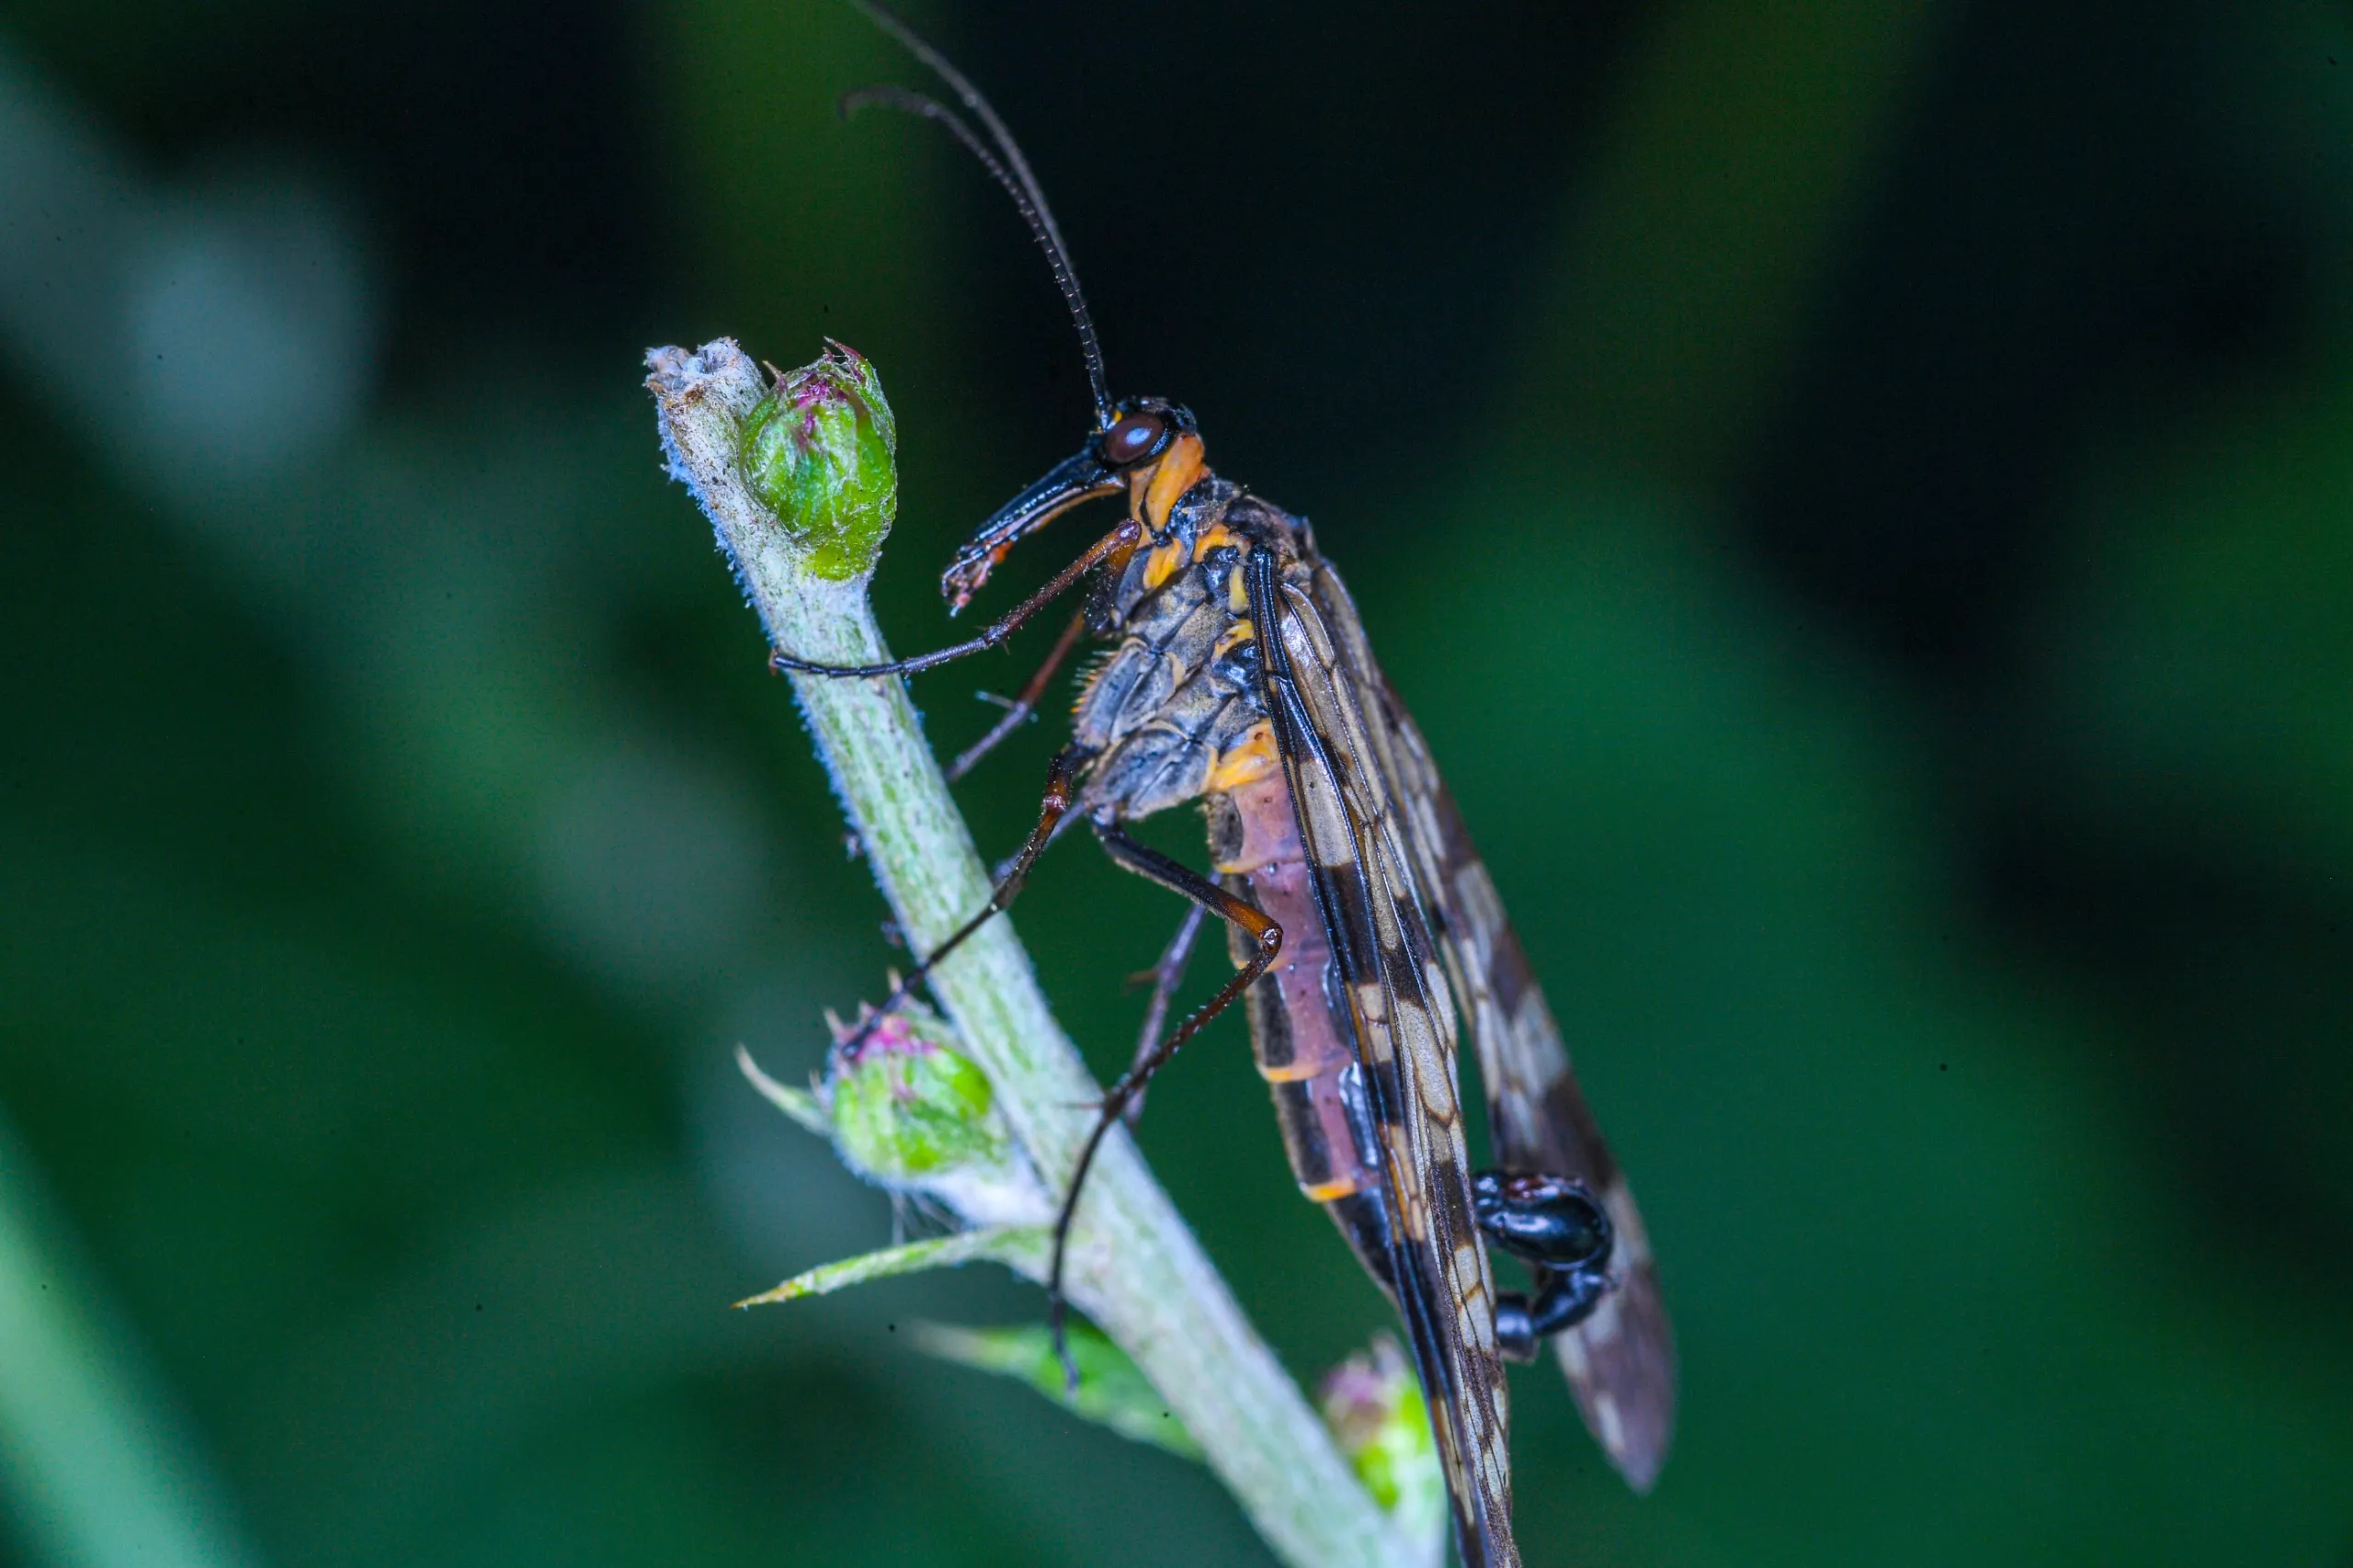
<point x="1368" y="935"/>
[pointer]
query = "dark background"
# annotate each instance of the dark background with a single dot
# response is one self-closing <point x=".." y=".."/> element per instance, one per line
<point x="1860" y="495"/>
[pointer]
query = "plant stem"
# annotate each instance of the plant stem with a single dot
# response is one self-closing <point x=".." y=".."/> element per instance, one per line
<point x="1134" y="1267"/>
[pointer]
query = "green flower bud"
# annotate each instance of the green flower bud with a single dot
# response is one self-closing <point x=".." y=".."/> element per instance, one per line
<point x="819" y="452"/>
<point x="908" y="1111"/>
<point x="1373" y="1405"/>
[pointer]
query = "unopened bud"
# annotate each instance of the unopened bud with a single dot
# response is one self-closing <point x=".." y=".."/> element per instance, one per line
<point x="820" y="452"/>
<point x="908" y="1109"/>
<point x="1372" y="1404"/>
<point x="905" y="1103"/>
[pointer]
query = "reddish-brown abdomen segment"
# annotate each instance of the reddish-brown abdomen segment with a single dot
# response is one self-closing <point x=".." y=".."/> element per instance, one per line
<point x="1306" y="1054"/>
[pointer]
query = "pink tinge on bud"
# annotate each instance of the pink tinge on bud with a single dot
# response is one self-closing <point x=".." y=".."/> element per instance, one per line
<point x="840" y="377"/>
<point x="1373" y="1407"/>
<point x="806" y="398"/>
<point x="892" y="1034"/>
<point x="1361" y="1395"/>
<point x="1354" y="1402"/>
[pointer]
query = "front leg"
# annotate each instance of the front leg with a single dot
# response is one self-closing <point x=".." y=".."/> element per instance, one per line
<point x="1555" y="1226"/>
<point x="1123" y="538"/>
<point x="1061" y="791"/>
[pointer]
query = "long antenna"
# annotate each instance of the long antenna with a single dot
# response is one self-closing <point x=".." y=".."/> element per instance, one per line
<point x="1012" y="172"/>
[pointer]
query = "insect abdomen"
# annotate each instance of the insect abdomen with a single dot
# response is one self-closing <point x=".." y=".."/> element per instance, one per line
<point x="1302" y="1050"/>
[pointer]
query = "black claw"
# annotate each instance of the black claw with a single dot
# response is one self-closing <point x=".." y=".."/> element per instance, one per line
<point x="1060" y="1327"/>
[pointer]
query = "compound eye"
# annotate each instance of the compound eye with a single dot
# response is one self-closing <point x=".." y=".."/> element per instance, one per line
<point x="1134" y="438"/>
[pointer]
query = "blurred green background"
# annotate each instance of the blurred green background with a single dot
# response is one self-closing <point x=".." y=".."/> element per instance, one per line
<point x="1860" y="495"/>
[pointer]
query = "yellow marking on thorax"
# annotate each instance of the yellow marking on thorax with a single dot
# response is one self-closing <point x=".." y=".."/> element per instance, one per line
<point x="1162" y="563"/>
<point x="1172" y="476"/>
<point x="1240" y="632"/>
<point x="1331" y="1191"/>
<point x="1212" y="537"/>
<point x="1252" y="759"/>
<point x="1237" y="593"/>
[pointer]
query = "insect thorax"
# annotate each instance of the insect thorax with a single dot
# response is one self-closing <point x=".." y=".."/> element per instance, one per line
<point x="1174" y="711"/>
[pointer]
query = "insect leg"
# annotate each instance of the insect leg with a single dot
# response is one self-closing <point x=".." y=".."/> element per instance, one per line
<point x="1024" y="705"/>
<point x="1060" y="791"/>
<point x="1268" y="936"/>
<point x="1166" y="975"/>
<point x="1122" y="538"/>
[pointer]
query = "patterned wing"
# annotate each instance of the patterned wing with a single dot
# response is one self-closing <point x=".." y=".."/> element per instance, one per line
<point x="1365" y="882"/>
<point x="1620" y="1361"/>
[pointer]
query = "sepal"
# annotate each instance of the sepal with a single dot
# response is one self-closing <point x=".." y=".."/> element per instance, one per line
<point x="1019" y="1247"/>
<point x="1112" y="1391"/>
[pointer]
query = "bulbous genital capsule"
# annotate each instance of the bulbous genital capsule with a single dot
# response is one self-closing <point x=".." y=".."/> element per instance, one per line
<point x="1545" y="1221"/>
